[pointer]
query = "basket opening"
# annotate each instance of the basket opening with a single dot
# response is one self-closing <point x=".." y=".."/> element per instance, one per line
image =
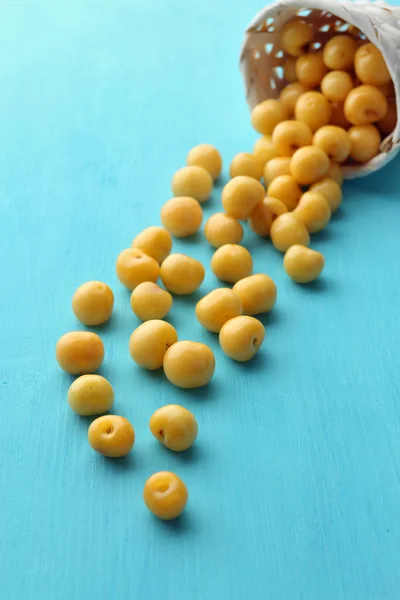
<point x="268" y="58"/>
<point x="264" y="63"/>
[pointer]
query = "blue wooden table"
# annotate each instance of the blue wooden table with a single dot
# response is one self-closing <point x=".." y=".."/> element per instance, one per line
<point x="294" y="482"/>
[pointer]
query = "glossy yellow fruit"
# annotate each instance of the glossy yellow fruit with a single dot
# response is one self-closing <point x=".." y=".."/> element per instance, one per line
<point x="370" y="66"/>
<point x="80" y="352"/>
<point x="231" y="263"/>
<point x="149" y="343"/>
<point x="264" y="149"/>
<point x="174" y="426"/>
<point x="189" y="364"/>
<point x="302" y="264"/>
<point x="310" y="69"/>
<point x="217" y="307"/>
<point x="207" y="157"/>
<point x="241" y="338"/>
<point x="266" y="116"/>
<point x="289" y="69"/>
<point x="287" y="230"/>
<point x="220" y="229"/>
<point x="335" y="172"/>
<point x="308" y="165"/>
<point x="257" y="294"/>
<point x="289" y="136"/>
<point x="314" y="211"/>
<point x="263" y="215"/>
<point x="111" y="435"/>
<point x="296" y="34"/>
<point x="155" y="242"/>
<point x="330" y="190"/>
<point x="365" y="141"/>
<point x="314" y="109"/>
<point x="93" y="303"/>
<point x="336" y="85"/>
<point x="276" y="167"/>
<point x="290" y="94"/>
<point x="338" y="117"/>
<point x="90" y="395"/>
<point x="286" y="189"/>
<point x="181" y="274"/>
<point x="334" y="141"/>
<point x="134" y="266"/>
<point x="194" y="182"/>
<point x="246" y="164"/>
<point x="339" y="52"/>
<point x="389" y="121"/>
<point x="365" y="105"/>
<point x="165" y="495"/>
<point x="182" y="216"/>
<point x="150" y="301"/>
<point x="241" y="195"/>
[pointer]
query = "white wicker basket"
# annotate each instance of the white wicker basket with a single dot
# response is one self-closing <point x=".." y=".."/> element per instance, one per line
<point x="262" y="58"/>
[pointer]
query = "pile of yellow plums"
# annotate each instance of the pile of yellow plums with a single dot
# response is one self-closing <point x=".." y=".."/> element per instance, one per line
<point x="154" y="344"/>
<point x="336" y="105"/>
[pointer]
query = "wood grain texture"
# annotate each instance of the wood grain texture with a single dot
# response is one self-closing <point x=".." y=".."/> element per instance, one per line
<point x="294" y="482"/>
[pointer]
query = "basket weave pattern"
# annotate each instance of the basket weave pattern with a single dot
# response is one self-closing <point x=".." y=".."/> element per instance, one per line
<point x="262" y="58"/>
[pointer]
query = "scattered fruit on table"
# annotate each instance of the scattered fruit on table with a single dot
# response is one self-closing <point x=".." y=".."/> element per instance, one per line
<point x="189" y="364"/>
<point x="134" y="267"/>
<point x="194" y="182"/>
<point x="90" y="395"/>
<point x="165" y="495"/>
<point x="217" y="307"/>
<point x="174" y="427"/>
<point x="231" y="262"/>
<point x="149" y="343"/>
<point x="207" y="157"/>
<point x="150" y="301"/>
<point x="241" y="338"/>
<point x="112" y="436"/>
<point x="257" y="294"/>
<point x="155" y="242"/>
<point x="182" y="216"/>
<point x="220" y="229"/>
<point x="93" y="303"/>
<point x="302" y="264"/>
<point x="80" y="352"/>
<point x="182" y="274"/>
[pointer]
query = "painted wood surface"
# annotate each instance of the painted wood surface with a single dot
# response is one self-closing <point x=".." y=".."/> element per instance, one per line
<point x="294" y="482"/>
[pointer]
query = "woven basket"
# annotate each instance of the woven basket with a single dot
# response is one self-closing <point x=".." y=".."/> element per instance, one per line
<point x="262" y="58"/>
